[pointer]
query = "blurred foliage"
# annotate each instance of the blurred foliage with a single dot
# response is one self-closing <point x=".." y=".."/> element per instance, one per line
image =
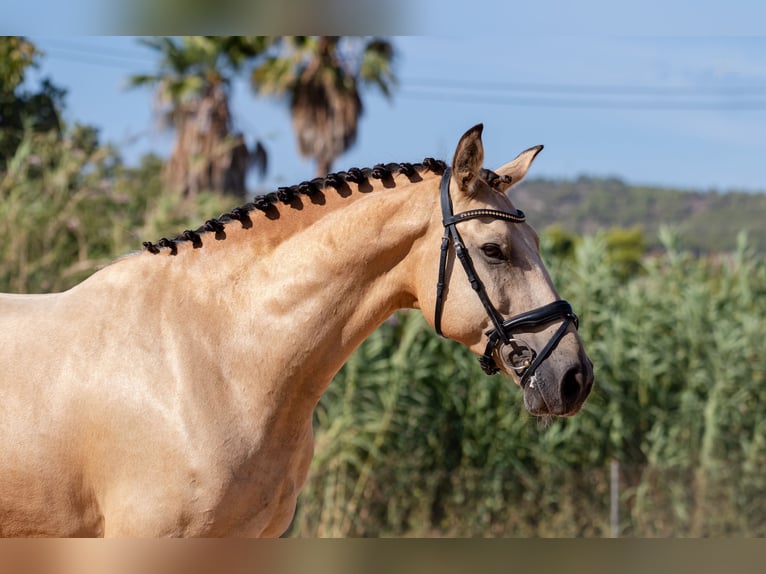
<point x="624" y="249"/>
<point x="21" y="107"/>
<point x="69" y="205"/>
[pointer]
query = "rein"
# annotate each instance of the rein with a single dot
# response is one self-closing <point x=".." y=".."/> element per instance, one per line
<point x="502" y="331"/>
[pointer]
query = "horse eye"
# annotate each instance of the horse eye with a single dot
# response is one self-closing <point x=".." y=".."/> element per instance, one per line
<point x="492" y="251"/>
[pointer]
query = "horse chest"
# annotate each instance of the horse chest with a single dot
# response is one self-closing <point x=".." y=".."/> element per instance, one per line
<point x="252" y="491"/>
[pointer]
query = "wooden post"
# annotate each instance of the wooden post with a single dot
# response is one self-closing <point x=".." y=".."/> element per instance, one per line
<point x="614" y="491"/>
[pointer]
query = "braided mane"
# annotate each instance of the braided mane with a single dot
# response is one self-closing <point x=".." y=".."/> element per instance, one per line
<point x="290" y="195"/>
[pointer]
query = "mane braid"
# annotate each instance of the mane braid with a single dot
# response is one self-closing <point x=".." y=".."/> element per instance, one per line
<point x="290" y="195"/>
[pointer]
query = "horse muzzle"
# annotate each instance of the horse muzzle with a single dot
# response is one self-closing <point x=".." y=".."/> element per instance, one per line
<point x="558" y="389"/>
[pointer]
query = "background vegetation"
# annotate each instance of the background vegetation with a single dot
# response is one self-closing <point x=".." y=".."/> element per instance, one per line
<point x="412" y="438"/>
<point x="708" y="220"/>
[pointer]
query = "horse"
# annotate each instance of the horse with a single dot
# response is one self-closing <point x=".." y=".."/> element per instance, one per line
<point x="171" y="393"/>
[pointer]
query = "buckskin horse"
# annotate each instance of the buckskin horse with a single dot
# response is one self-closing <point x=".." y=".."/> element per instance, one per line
<point x="171" y="393"/>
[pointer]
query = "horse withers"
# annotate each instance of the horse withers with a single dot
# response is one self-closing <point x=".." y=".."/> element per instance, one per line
<point x="172" y="392"/>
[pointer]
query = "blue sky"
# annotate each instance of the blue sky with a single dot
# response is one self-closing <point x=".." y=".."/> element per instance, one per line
<point x="684" y="110"/>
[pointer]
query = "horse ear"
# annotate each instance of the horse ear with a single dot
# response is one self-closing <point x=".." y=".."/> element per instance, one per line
<point x="469" y="157"/>
<point x="514" y="171"/>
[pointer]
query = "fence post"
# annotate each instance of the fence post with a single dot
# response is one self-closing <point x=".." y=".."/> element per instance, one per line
<point x="614" y="499"/>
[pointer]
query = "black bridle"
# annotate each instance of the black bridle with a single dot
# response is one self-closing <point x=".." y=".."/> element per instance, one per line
<point x="502" y="331"/>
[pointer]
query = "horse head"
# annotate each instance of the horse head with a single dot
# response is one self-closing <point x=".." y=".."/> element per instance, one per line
<point x="490" y="289"/>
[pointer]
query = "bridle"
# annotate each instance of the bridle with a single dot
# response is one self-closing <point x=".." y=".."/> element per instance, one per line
<point x="502" y="331"/>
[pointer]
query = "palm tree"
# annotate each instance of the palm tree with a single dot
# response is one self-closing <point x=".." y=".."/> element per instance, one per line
<point x="322" y="76"/>
<point x="193" y="89"/>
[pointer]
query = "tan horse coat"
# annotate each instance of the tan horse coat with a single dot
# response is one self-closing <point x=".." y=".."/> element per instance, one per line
<point x="172" y="395"/>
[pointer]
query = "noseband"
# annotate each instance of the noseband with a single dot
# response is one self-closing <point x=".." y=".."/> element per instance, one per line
<point x="502" y="331"/>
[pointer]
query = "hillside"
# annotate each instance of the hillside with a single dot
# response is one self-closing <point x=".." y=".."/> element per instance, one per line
<point x="708" y="221"/>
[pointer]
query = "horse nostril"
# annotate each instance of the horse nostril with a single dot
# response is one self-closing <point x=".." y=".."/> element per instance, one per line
<point x="571" y="387"/>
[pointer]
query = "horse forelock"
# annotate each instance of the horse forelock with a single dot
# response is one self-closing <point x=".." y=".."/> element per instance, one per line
<point x="290" y="196"/>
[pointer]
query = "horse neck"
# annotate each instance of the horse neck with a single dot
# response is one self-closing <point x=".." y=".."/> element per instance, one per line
<point x="309" y="287"/>
<point x="349" y="271"/>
